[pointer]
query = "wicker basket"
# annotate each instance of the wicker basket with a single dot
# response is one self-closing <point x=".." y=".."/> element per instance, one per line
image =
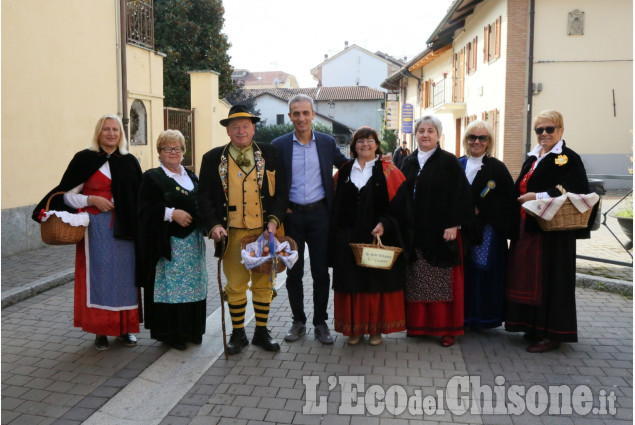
<point x="566" y="218"/>
<point x="266" y="267"/>
<point x="55" y="232"/>
<point x="358" y="252"/>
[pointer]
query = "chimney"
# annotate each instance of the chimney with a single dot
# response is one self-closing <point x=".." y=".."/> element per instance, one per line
<point x="326" y="56"/>
<point x="346" y="44"/>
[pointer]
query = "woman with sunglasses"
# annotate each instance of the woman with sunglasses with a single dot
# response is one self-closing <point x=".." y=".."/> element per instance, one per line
<point x="485" y="261"/>
<point x="171" y="264"/>
<point x="540" y="288"/>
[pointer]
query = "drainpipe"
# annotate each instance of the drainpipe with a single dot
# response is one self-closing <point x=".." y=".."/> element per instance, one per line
<point x="124" y="69"/>
<point x="530" y="75"/>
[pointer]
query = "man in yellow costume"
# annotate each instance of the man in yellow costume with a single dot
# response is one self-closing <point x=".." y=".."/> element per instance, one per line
<point x="241" y="194"/>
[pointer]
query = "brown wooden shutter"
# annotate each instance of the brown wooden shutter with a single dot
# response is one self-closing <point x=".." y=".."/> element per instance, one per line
<point x="499" y="22"/>
<point x="475" y="53"/>
<point x="486" y="44"/>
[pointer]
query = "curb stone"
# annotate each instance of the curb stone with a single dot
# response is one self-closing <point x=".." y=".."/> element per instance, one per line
<point x="605" y="284"/>
<point x="15" y="295"/>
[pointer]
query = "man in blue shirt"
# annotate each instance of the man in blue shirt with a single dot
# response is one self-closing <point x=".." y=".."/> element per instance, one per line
<point x="308" y="158"/>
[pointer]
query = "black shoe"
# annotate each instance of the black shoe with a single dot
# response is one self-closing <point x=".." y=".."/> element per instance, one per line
<point x="128" y="339"/>
<point x="262" y="338"/>
<point x="178" y="345"/>
<point x="101" y="342"/>
<point x="237" y="341"/>
<point x="323" y="334"/>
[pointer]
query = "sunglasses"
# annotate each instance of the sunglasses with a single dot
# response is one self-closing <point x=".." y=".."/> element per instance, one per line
<point x="472" y="138"/>
<point x="549" y="130"/>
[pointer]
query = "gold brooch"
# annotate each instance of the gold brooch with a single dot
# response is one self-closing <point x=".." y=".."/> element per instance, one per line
<point x="561" y="160"/>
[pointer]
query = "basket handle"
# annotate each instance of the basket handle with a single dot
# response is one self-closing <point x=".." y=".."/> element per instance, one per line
<point x="48" y="202"/>
<point x="561" y="189"/>
<point x="378" y="241"/>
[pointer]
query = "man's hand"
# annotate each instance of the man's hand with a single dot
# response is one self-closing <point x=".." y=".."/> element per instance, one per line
<point x="218" y="233"/>
<point x="272" y="228"/>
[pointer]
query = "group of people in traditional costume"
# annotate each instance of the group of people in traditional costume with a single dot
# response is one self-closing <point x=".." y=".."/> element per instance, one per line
<point x="451" y="217"/>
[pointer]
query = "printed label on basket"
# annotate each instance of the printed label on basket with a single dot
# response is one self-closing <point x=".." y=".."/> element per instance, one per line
<point x="375" y="257"/>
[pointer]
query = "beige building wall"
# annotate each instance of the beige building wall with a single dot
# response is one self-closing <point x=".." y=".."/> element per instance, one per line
<point x="60" y="73"/>
<point x="485" y="88"/>
<point x="145" y="83"/>
<point x="208" y="111"/>
<point x="579" y="74"/>
<point x="447" y="112"/>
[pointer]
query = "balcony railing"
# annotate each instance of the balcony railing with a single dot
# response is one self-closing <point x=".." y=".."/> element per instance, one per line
<point x="438" y="94"/>
<point x="140" y="16"/>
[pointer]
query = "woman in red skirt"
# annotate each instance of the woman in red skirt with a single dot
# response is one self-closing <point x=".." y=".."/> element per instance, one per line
<point x="368" y="301"/>
<point x="104" y="181"/>
<point x="440" y="194"/>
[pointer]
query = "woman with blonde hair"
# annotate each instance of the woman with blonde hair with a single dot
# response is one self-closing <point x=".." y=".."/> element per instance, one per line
<point x="486" y="236"/>
<point x="104" y="181"/>
<point x="172" y="248"/>
<point x="540" y="289"/>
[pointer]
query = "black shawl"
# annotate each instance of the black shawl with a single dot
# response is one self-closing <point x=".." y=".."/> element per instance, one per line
<point x="126" y="178"/>
<point x="569" y="172"/>
<point x="442" y="200"/>
<point x="498" y="205"/>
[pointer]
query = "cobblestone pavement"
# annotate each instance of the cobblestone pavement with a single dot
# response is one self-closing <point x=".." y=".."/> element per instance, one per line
<point x="52" y="374"/>
<point x="604" y="244"/>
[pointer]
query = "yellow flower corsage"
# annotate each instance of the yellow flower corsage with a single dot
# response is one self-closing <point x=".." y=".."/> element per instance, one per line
<point x="561" y="160"/>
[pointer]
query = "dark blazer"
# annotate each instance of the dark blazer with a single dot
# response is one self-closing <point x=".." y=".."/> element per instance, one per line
<point x="213" y="201"/>
<point x="328" y="153"/>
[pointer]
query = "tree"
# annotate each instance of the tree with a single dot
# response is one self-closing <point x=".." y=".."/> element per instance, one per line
<point x="266" y="133"/>
<point x="389" y="140"/>
<point x="240" y="96"/>
<point x="189" y="33"/>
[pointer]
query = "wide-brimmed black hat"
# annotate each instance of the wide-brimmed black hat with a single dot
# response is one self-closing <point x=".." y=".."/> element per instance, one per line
<point x="238" y="111"/>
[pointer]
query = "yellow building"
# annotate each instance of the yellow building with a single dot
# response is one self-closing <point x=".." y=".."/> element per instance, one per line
<point x="477" y="64"/>
<point x="61" y="70"/>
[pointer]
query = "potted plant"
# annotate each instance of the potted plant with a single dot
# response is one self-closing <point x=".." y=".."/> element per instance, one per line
<point x="625" y="219"/>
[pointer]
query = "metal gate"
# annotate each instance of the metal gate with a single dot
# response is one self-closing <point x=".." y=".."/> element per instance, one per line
<point x="182" y="120"/>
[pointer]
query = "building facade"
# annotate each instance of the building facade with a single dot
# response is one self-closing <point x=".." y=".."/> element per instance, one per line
<point x="484" y="56"/>
<point x="62" y="71"/>
<point x="355" y="66"/>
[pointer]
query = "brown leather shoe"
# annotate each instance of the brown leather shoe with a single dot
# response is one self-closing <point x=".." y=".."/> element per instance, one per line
<point x="543" y="346"/>
<point x="447" y="341"/>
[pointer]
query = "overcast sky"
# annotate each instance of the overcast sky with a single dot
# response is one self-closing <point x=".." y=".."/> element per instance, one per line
<point x="293" y="35"/>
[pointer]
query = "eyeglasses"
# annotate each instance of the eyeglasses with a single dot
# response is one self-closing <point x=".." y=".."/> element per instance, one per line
<point x="472" y="138"/>
<point x="549" y="130"/>
<point x="361" y="141"/>
<point x="172" y="150"/>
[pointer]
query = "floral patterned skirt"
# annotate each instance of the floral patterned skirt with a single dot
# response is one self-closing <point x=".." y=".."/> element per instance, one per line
<point x="184" y="279"/>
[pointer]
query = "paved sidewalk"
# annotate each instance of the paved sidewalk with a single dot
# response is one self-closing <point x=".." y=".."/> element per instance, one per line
<point x="52" y="374"/>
